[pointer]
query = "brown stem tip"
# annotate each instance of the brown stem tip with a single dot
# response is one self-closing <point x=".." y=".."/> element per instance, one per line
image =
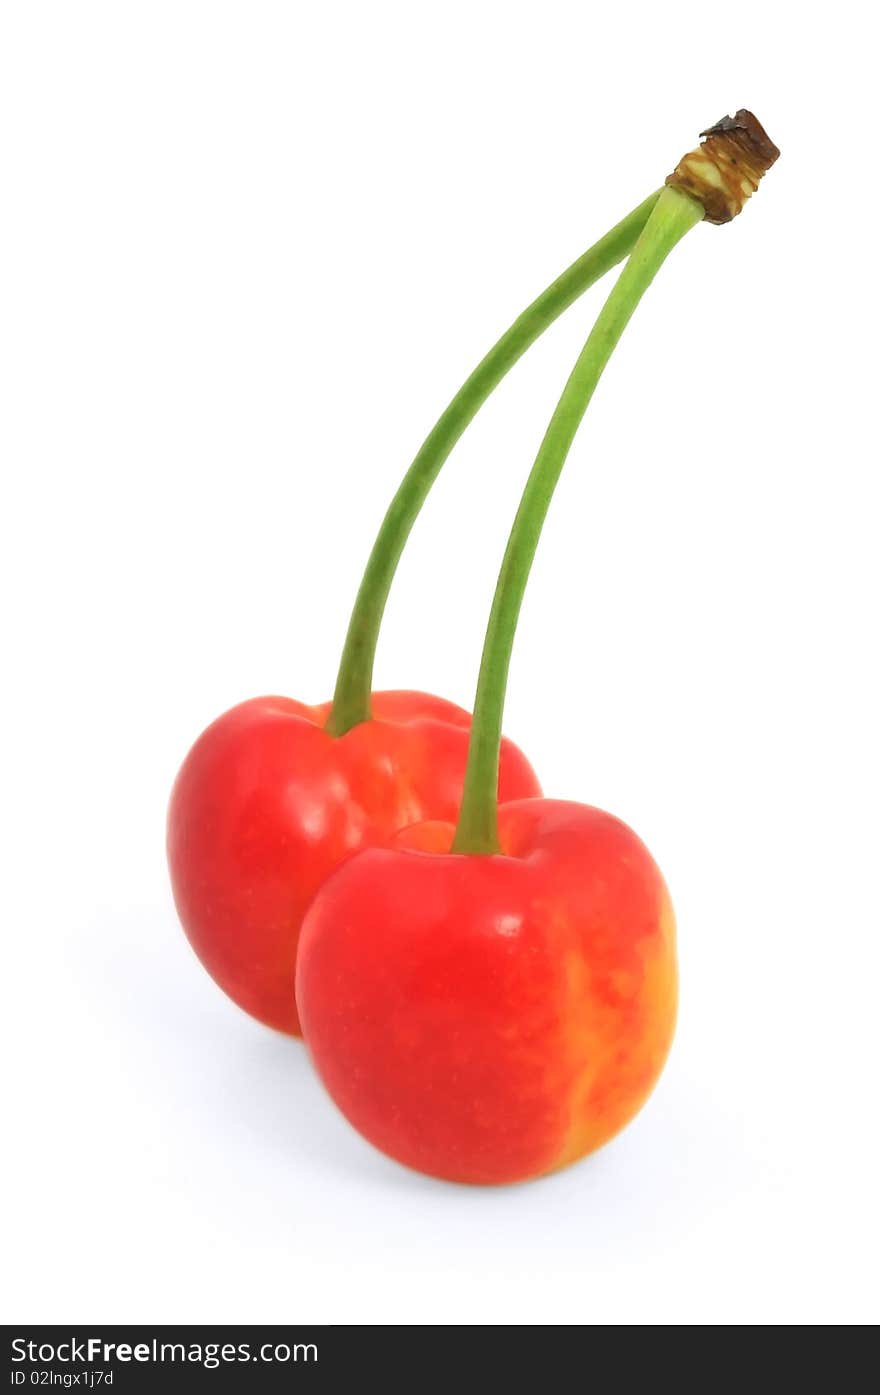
<point x="727" y="167"/>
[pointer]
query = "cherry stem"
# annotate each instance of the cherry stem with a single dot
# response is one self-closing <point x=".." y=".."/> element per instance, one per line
<point x="351" y="699"/>
<point x="674" y="214"/>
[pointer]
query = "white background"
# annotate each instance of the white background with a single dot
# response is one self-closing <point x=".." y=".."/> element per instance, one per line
<point x="248" y="252"/>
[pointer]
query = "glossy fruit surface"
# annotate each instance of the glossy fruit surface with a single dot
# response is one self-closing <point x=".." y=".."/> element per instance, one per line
<point x="489" y="1018"/>
<point x="267" y="804"/>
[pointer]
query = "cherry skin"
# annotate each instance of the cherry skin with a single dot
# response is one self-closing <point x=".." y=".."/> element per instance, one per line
<point x="491" y="1018"/>
<point x="268" y="803"/>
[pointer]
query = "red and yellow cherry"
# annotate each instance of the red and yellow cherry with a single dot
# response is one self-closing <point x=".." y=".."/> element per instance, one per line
<point x="492" y="1018"/>
<point x="268" y="802"/>
<point x="491" y="1002"/>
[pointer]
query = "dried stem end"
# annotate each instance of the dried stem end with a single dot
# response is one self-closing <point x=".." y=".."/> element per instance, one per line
<point x="727" y="167"/>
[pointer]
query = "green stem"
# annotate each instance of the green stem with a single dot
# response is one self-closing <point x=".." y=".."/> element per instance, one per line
<point x="477" y="832"/>
<point x="351" y="699"/>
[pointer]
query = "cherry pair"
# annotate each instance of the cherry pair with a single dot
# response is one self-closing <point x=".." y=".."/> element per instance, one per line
<point x="486" y="979"/>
